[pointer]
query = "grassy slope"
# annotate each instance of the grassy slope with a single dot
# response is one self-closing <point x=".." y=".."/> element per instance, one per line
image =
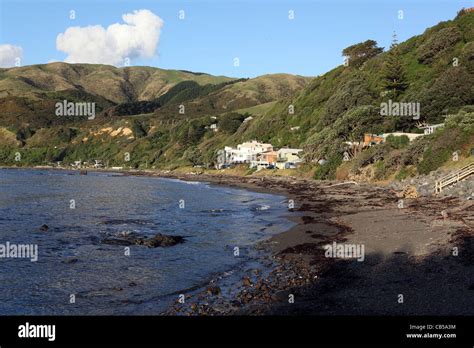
<point x="115" y="84"/>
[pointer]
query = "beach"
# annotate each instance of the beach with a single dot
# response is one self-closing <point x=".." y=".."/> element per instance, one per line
<point x="418" y="258"/>
<point x="414" y="258"/>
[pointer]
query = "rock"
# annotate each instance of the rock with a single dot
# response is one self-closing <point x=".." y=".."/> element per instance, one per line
<point x="117" y="241"/>
<point x="160" y="240"/>
<point x="410" y="192"/>
<point x="246" y="281"/>
<point x="71" y="260"/>
<point x="44" y="228"/>
<point x="132" y="284"/>
<point x="214" y="290"/>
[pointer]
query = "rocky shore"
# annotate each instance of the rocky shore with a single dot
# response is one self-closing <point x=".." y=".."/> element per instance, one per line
<point x="425" y="185"/>
<point x="419" y="256"/>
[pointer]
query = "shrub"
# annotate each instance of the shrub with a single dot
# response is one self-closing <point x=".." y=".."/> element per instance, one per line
<point x="193" y="155"/>
<point x="402" y="174"/>
<point x="380" y="170"/>
<point x="397" y="142"/>
<point x="328" y="169"/>
<point x="441" y="147"/>
<point x="432" y="160"/>
<point x="450" y="91"/>
<point x="250" y="171"/>
<point x="229" y="123"/>
<point x="468" y="56"/>
<point x="437" y="43"/>
<point x="355" y="92"/>
<point x="138" y="129"/>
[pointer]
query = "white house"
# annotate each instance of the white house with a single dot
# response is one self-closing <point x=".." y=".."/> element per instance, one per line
<point x="288" y="158"/>
<point x="244" y="153"/>
<point x="430" y="129"/>
<point x="254" y="147"/>
<point x="289" y="154"/>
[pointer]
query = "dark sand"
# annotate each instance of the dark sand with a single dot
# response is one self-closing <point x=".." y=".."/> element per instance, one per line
<point x="408" y="252"/>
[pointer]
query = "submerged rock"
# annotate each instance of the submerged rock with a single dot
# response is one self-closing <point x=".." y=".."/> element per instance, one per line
<point x="159" y="240"/>
<point x="214" y="290"/>
<point x="44" y="228"/>
<point x="70" y="260"/>
<point x="117" y="241"/>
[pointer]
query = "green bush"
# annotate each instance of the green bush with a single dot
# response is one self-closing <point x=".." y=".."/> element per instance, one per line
<point x="229" y="123"/>
<point x="450" y="91"/>
<point x="442" y="145"/>
<point x="402" y="174"/>
<point x="328" y="169"/>
<point x="193" y="155"/>
<point x="397" y="142"/>
<point x="437" y="43"/>
<point x="250" y="171"/>
<point x="380" y="170"/>
<point x="138" y="129"/>
<point x="432" y="160"/>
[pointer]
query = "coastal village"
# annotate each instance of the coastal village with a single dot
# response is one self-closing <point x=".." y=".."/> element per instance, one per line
<point x="260" y="155"/>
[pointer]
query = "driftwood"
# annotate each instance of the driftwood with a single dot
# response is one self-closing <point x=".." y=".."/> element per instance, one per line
<point x="466" y="205"/>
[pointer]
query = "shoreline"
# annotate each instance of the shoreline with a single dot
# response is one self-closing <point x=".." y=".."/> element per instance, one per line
<point x="407" y="252"/>
<point x="403" y="247"/>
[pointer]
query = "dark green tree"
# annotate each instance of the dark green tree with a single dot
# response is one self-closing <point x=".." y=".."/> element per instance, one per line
<point x="193" y="155"/>
<point x="359" y="53"/>
<point x="138" y="129"/>
<point x="393" y="72"/>
<point x="229" y="123"/>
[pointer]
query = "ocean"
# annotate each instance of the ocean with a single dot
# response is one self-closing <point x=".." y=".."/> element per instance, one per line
<point x="77" y="274"/>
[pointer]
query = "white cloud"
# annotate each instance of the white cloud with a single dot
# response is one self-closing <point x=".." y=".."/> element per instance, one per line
<point x="9" y="55"/>
<point x="138" y="37"/>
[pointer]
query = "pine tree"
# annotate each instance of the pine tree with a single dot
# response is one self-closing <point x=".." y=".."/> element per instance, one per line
<point x="393" y="72"/>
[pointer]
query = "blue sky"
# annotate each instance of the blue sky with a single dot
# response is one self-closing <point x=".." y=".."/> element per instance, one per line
<point x="213" y="33"/>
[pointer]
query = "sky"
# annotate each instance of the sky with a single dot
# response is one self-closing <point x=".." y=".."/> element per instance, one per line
<point x="238" y="38"/>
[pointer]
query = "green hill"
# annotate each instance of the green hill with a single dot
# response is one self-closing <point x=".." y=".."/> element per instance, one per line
<point x="140" y="109"/>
